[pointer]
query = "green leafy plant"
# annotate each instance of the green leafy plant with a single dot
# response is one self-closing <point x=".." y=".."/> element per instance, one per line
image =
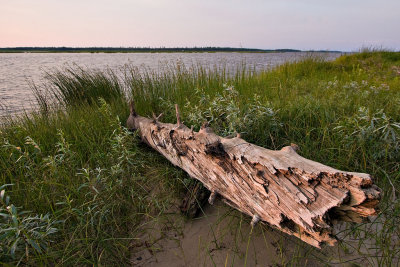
<point x="22" y="234"/>
<point x="375" y="130"/>
<point x="226" y="115"/>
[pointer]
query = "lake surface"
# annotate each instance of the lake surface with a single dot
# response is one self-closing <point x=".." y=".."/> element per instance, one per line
<point x="17" y="71"/>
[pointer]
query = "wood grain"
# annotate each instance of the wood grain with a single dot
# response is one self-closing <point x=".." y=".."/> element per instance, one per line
<point x="296" y="195"/>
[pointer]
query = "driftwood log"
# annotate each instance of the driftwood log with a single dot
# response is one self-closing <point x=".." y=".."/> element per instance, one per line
<point x="296" y="195"/>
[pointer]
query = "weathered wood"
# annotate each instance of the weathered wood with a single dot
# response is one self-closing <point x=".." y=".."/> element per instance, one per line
<point x="298" y="196"/>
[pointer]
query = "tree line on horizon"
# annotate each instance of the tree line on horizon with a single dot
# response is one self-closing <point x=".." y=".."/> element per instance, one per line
<point x="138" y="49"/>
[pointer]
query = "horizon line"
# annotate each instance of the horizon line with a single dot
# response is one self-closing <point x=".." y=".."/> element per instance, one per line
<point x="150" y="48"/>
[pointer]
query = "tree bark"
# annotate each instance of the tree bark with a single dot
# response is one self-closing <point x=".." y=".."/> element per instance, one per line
<point x="296" y="195"/>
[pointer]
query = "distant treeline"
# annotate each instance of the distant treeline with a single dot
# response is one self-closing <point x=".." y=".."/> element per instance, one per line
<point x="137" y="50"/>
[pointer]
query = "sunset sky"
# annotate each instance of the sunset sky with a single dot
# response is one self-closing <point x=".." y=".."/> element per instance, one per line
<point x="345" y="25"/>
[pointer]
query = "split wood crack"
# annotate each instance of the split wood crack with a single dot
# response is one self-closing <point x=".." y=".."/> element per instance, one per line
<point x="296" y="195"/>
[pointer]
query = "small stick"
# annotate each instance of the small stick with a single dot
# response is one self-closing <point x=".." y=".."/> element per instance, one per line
<point x="255" y="220"/>
<point x="238" y="135"/>
<point x="178" y="118"/>
<point x="159" y="116"/>
<point x="294" y="146"/>
<point x="212" y="197"/>
<point x="132" y="108"/>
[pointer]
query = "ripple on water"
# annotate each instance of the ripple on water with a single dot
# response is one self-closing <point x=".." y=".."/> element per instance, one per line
<point x="16" y="70"/>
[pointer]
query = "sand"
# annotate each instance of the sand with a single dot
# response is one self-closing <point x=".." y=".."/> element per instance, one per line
<point x="220" y="236"/>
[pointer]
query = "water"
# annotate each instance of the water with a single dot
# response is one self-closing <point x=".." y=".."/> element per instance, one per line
<point x="17" y="71"/>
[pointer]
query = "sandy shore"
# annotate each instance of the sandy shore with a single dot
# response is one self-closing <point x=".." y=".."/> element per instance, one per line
<point x="221" y="236"/>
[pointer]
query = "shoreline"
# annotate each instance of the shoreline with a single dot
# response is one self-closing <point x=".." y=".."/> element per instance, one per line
<point x="152" y="50"/>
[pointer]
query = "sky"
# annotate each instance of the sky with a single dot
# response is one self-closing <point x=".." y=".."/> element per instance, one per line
<point x="345" y="25"/>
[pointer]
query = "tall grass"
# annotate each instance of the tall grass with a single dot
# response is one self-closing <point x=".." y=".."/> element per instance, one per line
<point x="83" y="169"/>
<point x="76" y="162"/>
<point x="76" y="86"/>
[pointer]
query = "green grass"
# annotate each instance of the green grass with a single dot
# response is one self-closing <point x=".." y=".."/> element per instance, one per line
<point x="75" y="162"/>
